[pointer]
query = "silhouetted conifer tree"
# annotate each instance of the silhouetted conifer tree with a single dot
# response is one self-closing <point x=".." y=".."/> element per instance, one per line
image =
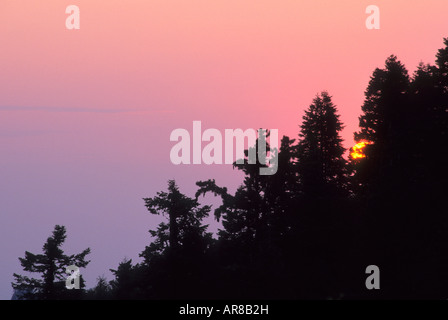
<point x="51" y="265"/>
<point x="177" y="254"/>
<point x="321" y="166"/>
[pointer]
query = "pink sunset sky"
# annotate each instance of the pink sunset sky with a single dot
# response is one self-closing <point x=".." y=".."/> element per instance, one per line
<point x="86" y="115"/>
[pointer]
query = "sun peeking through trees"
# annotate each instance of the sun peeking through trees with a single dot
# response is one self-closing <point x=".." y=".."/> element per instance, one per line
<point x="310" y="230"/>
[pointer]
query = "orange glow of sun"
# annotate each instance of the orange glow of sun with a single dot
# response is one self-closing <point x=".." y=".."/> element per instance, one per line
<point x="358" y="150"/>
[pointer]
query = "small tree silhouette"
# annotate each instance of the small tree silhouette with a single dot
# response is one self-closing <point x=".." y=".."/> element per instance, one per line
<point x="52" y="267"/>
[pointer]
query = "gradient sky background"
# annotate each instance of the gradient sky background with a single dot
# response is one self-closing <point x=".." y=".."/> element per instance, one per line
<point x="85" y="115"/>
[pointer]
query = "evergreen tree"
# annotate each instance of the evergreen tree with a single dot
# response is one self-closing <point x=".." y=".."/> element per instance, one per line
<point x="177" y="254"/>
<point x="442" y="66"/>
<point x="321" y="166"/>
<point x="322" y="187"/>
<point x="244" y="213"/>
<point x="255" y="222"/>
<point x="384" y="103"/>
<point x="101" y="291"/>
<point x="384" y="125"/>
<point x="428" y="174"/>
<point x="185" y="220"/>
<point x="381" y="177"/>
<point x="51" y="265"/>
<point x="440" y="111"/>
<point x="127" y="283"/>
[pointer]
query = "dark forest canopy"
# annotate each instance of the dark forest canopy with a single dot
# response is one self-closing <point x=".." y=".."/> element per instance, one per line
<point x="310" y="230"/>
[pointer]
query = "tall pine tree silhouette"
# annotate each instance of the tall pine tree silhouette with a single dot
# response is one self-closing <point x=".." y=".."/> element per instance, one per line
<point x="382" y="124"/>
<point x="321" y="165"/>
<point x="322" y="177"/>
